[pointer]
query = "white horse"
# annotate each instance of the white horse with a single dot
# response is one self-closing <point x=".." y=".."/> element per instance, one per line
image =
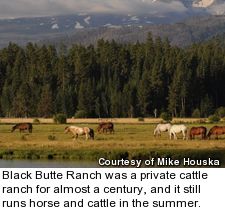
<point x="88" y="132"/>
<point x="161" y="128"/>
<point x="178" y="129"/>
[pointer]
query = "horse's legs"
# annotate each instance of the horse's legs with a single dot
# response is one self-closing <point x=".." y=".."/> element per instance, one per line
<point x="155" y="133"/>
<point x="184" y="136"/>
<point x="159" y="133"/>
<point x="170" y="135"/>
<point x="175" y="136"/>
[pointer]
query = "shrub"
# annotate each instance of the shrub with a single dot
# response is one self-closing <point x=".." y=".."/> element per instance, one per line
<point x="81" y="114"/>
<point x="141" y="119"/>
<point x="196" y="113"/>
<point x="220" y="112"/>
<point x="24" y="137"/>
<point x="51" y="137"/>
<point x="166" y="116"/>
<point x="37" y="121"/>
<point x="214" y="118"/>
<point x="60" y="118"/>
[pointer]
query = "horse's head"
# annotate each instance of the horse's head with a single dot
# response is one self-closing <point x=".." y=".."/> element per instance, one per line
<point x="99" y="128"/>
<point x="13" y="128"/>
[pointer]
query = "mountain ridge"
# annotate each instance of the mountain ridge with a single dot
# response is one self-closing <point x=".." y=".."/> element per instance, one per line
<point x="195" y="24"/>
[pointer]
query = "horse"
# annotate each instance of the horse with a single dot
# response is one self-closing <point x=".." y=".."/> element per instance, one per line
<point x="23" y="127"/>
<point x="88" y="132"/>
<point x="178" y="129"/>
<point x="105" y="127"/>
<point x="161" y="128"/>
<point x="216" y="130"/>
<point x="194" y="131"/>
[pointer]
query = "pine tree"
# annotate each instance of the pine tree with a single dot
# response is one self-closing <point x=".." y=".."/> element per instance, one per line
<point x="45" y="105"/>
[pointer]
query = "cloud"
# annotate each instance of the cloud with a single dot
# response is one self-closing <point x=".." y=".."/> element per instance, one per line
<point x="23" y="8"/>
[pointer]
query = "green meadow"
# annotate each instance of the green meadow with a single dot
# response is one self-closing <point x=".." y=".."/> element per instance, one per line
<point x="133" y="141"/>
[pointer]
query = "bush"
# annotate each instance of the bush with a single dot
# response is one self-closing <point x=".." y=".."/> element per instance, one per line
<point x="24" y="136"/>
<point x="166" y="116"/>
<point x="37" y="121"/>
<point x="220" y="112"/>
<point x="196" y="113"/>
<point x="141" y="119"/>
<point x="60" y="118"/>
<point x="81" y="114"/>
<point x="51" y="137"/>
<point x="214" y="118"/>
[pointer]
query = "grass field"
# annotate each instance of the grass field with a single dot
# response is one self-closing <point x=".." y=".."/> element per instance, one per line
<point x="48" y="141"/>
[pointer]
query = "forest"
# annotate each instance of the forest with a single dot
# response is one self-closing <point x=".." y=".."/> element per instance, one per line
<point x="112" y="79"/>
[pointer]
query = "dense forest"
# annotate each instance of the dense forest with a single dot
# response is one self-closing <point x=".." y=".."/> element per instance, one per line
<point x="112" y="79"/>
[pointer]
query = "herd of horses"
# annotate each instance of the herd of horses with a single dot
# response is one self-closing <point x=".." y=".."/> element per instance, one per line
<point x="105" y="127"/>
<point x="194" y="131"/>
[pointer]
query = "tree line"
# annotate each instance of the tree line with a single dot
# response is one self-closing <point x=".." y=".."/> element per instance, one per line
<point x="112" y="79"/>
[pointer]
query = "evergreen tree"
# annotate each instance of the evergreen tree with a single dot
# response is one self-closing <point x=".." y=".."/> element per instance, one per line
<point x="45" y="105"/>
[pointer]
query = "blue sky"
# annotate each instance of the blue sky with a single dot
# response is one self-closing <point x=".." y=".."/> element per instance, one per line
<point x="26" y="8"/>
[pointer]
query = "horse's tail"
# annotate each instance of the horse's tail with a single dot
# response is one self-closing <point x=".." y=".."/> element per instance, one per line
<point x="209" y="134"/>
<point x="190" y="133"/>
<point x="111" y="128"/>
<point x="204" y="133"/>
<point x="156" y="131"/>
<point x="186" y="133"/>
<point x="91" y="133"/>
<point x="30" y="127"/>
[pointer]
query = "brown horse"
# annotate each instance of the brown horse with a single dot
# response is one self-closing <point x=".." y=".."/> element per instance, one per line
<point x="216" y="130"/>
<point x="105" y="127"/>
<point x="195" y="131"/>
<point x="23" y="127"/>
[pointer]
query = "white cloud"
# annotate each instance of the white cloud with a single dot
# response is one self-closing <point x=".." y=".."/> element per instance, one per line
<point x="22" y="8"/>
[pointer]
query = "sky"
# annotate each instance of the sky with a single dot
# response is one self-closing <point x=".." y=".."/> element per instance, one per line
<point x="28" y="8"/>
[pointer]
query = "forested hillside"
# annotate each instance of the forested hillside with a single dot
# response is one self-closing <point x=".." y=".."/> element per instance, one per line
<point x="39" y="30"/>
<point x="112" y="79"/>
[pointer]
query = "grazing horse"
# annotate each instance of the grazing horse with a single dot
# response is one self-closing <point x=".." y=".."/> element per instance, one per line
<point x="88" y="132"/>
<point x="216" y="130"/>
<point x="161" y="128"/>
<point x="105" y="127"/>
<point x="23" y="127"/>
<point x="194" y="131"/>
<point x="178" y="129"/>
